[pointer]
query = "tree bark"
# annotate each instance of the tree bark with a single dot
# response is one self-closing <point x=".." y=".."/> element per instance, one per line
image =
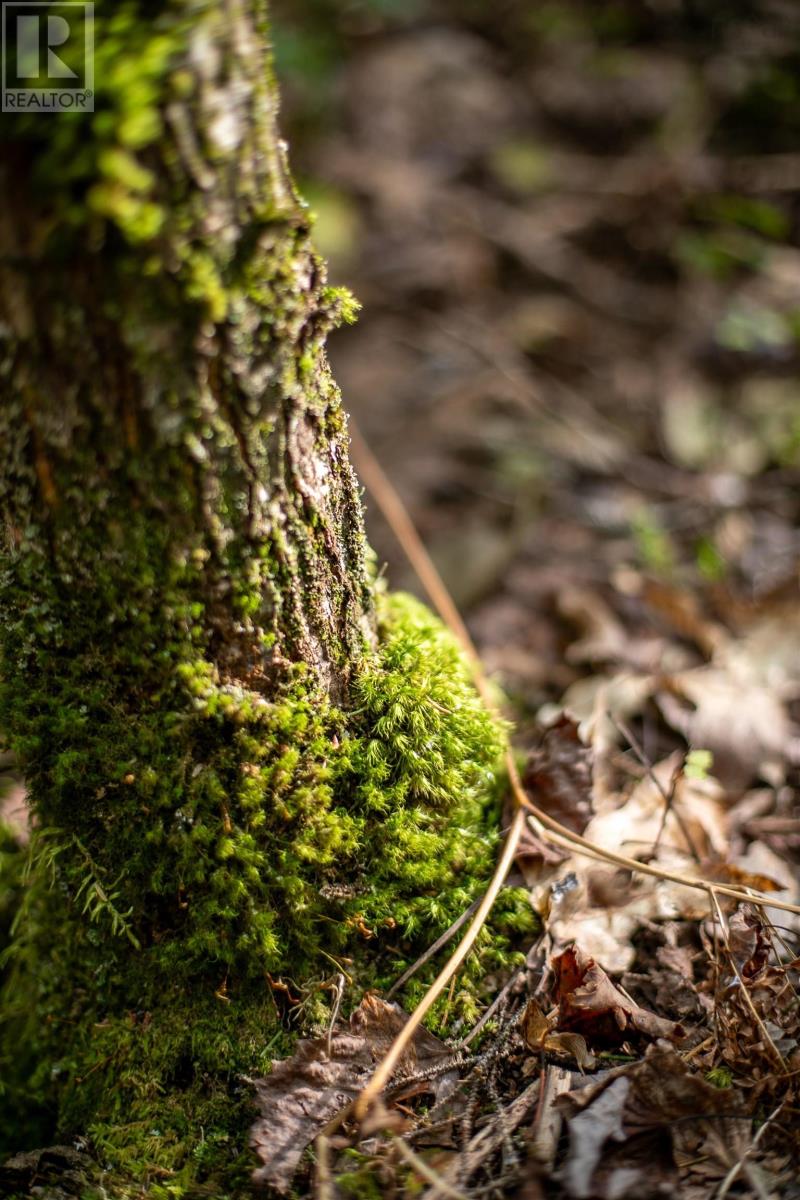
<point x="164" y="366"/>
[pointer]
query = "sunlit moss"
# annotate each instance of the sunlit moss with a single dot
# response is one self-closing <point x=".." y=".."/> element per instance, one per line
<point x="302" y="837"/>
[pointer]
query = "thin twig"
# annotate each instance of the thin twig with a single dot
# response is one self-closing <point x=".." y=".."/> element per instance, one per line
<point x="747" y="997"/>
<point x="730" y="1178"/>
<point x="385" y="1069"/>
<point x="396" y="515"/>
<point x="667" y="796"/>
<point x="492" y="1136"/>
<point x="440" y="1186"/>
<point x="323" y="1181"/>
<point x="400" y="523"/>
<point x="491" y="1010"/>
<point x="546" y="827"/>
<point x="338" y="987"/>
<point x="432" y="950"/>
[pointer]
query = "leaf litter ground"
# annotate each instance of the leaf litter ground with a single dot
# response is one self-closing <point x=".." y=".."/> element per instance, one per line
<point x="678" y="1076"/>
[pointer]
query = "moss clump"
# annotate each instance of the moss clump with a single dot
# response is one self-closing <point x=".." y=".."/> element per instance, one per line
<point x="246" y="850"/>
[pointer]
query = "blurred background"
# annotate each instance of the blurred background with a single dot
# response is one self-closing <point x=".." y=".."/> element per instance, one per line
<point x="573" y="228"/>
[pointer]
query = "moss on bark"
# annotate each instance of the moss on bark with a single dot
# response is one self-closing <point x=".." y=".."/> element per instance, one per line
<point x="247" y="771"/>
<point x="249" y="855"/>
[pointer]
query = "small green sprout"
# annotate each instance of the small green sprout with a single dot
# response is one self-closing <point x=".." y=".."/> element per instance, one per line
<point x="698" y="764"/>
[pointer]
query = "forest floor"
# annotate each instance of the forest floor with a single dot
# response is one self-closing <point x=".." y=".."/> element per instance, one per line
<point x="574" y="234"/>
<point x="574" y="231"/>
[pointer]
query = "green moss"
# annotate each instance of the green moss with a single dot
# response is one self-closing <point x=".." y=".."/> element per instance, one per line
<point x="343" y="304"/>
<point x="247" y="847"/>
<point x="361" y="1181"/>
<point x="721" y="1077"/>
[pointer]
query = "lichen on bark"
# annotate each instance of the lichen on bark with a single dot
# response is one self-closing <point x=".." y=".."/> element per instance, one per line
<point x="248" y="769"/>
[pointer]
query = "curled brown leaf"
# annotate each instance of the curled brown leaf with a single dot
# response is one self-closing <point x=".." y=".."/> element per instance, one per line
<point x="589" y="1003"/>
<point x="542" y="1037"/>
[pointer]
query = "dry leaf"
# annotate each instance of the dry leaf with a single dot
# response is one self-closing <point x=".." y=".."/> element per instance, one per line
<point x="304" y="1092"/>
<point x="761" y="860"/>
<point x="668" y="984"/>
<point x="754" y="1028"/>
<point x="745" y="726"/>
<point x="558" y="774"/>
<point x="558" y="778"/>
<point x="628" y="1130"/>
<point x="725" y="872"/>
<point x="747" y="941"/>
<point x="603" y="907"/>
<point x="540" y="1035"/>
<point x="739" y="702"/>
<point x="700" y="804"/>
<point x="605" y="638"/>
<point x="588" y="1133"/>
<point x="590" y="1003"/>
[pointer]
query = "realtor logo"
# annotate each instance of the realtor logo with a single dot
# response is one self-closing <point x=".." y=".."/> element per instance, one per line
<point x="48" y="56"/>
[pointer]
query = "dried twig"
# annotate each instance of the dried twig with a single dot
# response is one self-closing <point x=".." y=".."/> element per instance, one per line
<point x="393" y="509"/>
<point x="432" y="950"/>
<point x="559" y="835"/>
<point x="779" y="1059"/>
<point x="730" y="1178"/>
<point x="400" y="523"/>
<point x="440" y="1187"/>
<point x="667" y="796"/>
<point x="323" y="1181"/>
<point x="384" y="1072"/>
<point x="338" y="988"/>
<point x="492" y="1136"/>
<point x="498" y="1001"/>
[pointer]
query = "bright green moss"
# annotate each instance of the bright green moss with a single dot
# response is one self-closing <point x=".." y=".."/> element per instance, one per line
<point x="245" y="841"/>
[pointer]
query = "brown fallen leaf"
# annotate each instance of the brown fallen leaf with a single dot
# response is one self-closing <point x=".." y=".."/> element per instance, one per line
<point x="558" y="777"/>
<point x="304" y="1092"/>
<point x="747" y="941"/>
<point x="738" y="705"/>
<point x="726" y="872"/>
<point x="559" y="774"/>
<point x="540" y="1035"/>
<point x="758" y="1014"/>
<point x="589" y="1131"/>
<point x="604" y="906"/>
<point x="590" y="1003"/>
<point x="629" y="1129"/>
<point x="669" y="992"/>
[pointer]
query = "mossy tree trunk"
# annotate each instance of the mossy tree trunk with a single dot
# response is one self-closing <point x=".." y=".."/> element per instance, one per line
<point x="171" y="435"/>
<point x="180" y="516"/>
<point x="237" y="770"/>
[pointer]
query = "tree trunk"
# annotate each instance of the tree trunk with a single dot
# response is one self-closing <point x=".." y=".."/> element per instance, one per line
<point x="239" y="773"/>
<point x="165" y="370"/>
